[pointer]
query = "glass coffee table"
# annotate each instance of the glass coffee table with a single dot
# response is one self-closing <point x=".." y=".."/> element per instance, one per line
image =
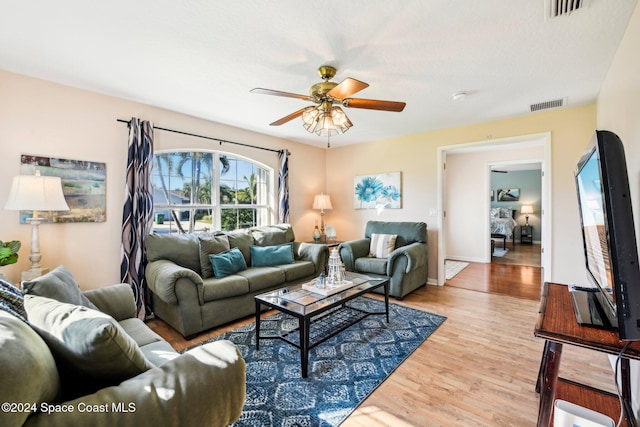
<point x="319" y="317"/>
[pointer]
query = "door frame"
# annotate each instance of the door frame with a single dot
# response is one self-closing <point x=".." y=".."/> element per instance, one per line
<point x="543" y="138"/>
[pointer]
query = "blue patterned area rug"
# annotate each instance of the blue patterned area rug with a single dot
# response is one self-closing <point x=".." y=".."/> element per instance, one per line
<point x="343" y="370"/>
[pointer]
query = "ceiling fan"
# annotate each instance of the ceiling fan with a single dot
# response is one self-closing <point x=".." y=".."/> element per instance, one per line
<point x="326" y="118"/>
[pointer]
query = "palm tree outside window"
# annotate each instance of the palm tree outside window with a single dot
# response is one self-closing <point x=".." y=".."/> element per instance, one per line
<point x="197" y="191"/>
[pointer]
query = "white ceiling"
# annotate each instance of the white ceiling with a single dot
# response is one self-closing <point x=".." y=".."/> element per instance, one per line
<point x="201" y="57"/>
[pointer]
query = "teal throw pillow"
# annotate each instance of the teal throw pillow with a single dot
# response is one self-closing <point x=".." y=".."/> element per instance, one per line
<point x="272" y="255"/>
<point x="227" y="263"/>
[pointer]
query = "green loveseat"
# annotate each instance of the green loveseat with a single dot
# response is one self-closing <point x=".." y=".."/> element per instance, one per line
<point x="406" y="264"/>
<point x="186" y="292"/>
<point x="94" y="363"/>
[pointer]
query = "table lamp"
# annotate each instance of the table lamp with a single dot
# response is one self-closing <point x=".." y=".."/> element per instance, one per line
<point x="526" y="210"/>
<point x="322" y="202"/>
<point x="36" y="193"/>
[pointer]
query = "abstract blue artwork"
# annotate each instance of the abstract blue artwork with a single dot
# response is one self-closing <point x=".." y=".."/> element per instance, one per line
<point x="378" y="191"/>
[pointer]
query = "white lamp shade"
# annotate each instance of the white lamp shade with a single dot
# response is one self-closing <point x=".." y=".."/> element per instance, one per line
<point x="526" y="209"/>
<point x="322" y="201"/>
<point x="36" y="193"/>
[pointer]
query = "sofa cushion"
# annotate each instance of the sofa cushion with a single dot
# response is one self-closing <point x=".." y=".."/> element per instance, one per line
<point x="211" y="245"/>
<point x="297" y="270"/>
<point x="262" y="256"/>
<point x="227" y="263"/>
<point x="371" y="265"/>
<point x="407" y="232"/>
<point x="29" y="372"/>
<point x="260" y="278"/>
<point x="269" y="235"/>
<point x="154" y="348"/>
<point x="230" y="286"/>
<point x="58" y="284"/>
<point x="241" y="239"/>
<point x="90" y="347"/>
<point x="183" y="249"/>
<point x="382" y="245"/>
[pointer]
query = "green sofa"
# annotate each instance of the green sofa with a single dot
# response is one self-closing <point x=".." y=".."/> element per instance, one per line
<point x="186" y="292"/>
<point x="96" y="364"/>
<point x="406" y="264"/>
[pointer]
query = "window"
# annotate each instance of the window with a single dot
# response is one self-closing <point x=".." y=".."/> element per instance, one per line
<point x="206" y="191"/>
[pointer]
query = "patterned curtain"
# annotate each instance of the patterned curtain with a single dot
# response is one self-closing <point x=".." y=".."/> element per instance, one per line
<point x="283" y="187"/>
<point x="137" y="215"/>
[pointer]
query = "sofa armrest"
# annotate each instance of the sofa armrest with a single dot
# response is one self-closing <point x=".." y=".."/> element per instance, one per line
<point x="317" y="254"/>
<point x="352" y="250"/>
<point x="161" y="278"/>
<point x="116" y="300"/>
<point x="203" y="387"/>
<point x="416" y="254"/>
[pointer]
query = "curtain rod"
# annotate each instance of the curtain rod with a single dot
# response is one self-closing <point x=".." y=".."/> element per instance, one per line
<point x="221" y="141"/>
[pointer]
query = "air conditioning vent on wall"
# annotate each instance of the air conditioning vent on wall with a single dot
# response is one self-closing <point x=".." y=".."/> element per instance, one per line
<point x="556" y="103"/>
<point x="557" y="8"/>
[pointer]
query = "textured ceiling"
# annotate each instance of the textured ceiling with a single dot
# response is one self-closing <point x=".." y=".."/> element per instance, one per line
<point x="201" y="57"/>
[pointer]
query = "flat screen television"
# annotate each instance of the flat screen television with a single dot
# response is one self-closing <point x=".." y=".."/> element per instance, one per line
<point x="609" y="239"/>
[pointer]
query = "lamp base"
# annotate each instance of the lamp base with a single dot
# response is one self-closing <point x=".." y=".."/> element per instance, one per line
<point x="33" y="273"/>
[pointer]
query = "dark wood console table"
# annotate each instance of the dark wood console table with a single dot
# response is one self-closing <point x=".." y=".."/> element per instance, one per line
<point x="557" y="325"/>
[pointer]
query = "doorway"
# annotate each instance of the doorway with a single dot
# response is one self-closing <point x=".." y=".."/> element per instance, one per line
<point x="515" y="221"/>
<point x="468" y="213"/>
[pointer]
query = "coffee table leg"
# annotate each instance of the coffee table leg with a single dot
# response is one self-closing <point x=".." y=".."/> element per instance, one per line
<point x="386" y="299"/>
<point x="303" y="324"/>
<point x="257" y="325"/>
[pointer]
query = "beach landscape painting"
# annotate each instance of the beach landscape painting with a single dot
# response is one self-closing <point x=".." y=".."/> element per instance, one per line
<point x="83" y="186"/>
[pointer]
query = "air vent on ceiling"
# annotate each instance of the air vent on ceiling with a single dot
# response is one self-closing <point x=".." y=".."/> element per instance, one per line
<point x="556" y="103"/>
<point x="557" y="8"/>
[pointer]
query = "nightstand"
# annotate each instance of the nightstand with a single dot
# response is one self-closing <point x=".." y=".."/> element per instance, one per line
<point x="526" y="234"/>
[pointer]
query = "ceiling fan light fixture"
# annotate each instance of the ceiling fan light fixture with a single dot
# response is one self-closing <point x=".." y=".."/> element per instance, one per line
<point x="310" y="115"/>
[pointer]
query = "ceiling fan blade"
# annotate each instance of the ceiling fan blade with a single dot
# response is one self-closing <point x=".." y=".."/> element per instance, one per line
<point x="346" y="88"/>
<point x="288" y="118"/>
<point x="372" y="104"/>
<point x="263" y="91"/>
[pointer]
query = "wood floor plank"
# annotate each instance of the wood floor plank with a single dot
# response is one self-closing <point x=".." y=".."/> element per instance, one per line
<point x="478" y="369"/>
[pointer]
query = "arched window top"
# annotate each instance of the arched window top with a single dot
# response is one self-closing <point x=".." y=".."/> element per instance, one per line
<point x="205" y="190"/>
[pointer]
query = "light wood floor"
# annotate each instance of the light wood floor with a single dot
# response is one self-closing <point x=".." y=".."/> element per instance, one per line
<point x="478" y="369"/>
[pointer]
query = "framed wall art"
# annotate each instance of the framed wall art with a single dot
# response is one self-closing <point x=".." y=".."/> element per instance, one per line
<point x="377" y="191"/>
<point x="83" y="186"/>
<point x="508" y="195"/>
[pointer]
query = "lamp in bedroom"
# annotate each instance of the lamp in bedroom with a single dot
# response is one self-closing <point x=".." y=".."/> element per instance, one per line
<point x="526" y="210"/>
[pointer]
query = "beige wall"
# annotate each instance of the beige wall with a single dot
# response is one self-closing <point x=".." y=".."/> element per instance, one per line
<point x="47" y="119"/>
<point x="416" y="157"/>
<point x="467" y="198"/>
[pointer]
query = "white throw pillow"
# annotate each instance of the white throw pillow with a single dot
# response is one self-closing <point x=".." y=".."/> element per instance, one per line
<point x="382" y="245"/>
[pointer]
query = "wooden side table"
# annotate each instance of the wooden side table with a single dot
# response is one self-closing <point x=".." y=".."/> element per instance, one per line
<point x="557" y="325"/>
<point x="526" y="234"/>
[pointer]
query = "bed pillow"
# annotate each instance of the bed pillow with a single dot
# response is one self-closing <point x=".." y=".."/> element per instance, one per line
<point x="262" y="256"/>
<point x="228" y="263"/>
<point x="505" y="212"/>
<point x="494" y="212"/>
<point x="382" y="245"/>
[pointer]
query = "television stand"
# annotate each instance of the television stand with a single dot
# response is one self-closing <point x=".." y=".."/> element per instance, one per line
<point x="557" y="325"/>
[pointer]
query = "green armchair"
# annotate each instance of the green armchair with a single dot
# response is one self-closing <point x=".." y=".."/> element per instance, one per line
<point x="406" y="265"/>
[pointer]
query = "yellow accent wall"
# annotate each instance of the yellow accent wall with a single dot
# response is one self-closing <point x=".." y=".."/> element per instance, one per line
<point x="416" y="157"/>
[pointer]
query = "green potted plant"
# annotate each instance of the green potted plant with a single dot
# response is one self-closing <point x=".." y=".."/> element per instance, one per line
<point x="8" y="253"/>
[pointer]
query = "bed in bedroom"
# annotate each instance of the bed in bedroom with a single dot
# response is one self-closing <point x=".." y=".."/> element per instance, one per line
<point x="503" y="224"/>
